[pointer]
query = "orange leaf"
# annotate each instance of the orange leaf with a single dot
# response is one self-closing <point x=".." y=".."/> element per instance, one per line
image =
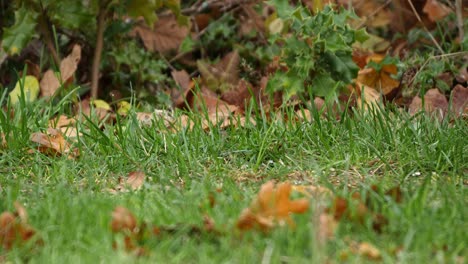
<point x="167" y="35"/>
<point x="53" y="143"/>
<point x="435" y="10"/>
<point x="272" y="206"/>
<point x="382" y="80"/>
<point x="50" y="83"/>
<point x="14" y="228"/>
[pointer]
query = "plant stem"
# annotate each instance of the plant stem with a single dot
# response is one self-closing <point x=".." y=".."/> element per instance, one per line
<point x="47" y="35"/>
<point x="101" y="21"/>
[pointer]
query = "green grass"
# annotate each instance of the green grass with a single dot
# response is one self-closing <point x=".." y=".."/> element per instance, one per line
<point x="68" y="204"/>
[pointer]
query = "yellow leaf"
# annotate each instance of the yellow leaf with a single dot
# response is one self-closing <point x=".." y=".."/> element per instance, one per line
<point x="30" y="88"/>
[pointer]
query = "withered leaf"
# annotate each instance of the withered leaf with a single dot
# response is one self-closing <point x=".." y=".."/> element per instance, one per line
<point x="460" y="100"/>
<point x="379" y="80"/>
<point x="50" y="83"/>
<point x="134" y="181"/>
<point x="167" y="34"/>
<point x="221" y="76"/>
<point x="271" y="206"/>
<point x="53" y="143"/>
<point x="434" y="103"/>
<point x="435" y="10"/>
<point x="14" y="229"/>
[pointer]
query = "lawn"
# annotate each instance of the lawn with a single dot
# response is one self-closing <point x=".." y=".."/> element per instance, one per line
<point x="196" y="174"/>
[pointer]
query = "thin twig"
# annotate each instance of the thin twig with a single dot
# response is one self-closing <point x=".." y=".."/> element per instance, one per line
<point x="44" y="28"/>
<point x="425" y="28"/>
<point x="461" y="53"/>
<point x="101" y="22"/>
<point x="459" y="12"/>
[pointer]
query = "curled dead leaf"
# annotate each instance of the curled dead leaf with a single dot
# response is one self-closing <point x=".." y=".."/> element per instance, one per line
<point x="133" y="182"/>
<point x="435" y="103"/>
<point x="166" y="35"/>
<point x="14" y="229"/>
<point x="53" y="143"/>
<point x="50" y="82"/>
<point x="271" y="206"/>
<point x="435" y="10"/>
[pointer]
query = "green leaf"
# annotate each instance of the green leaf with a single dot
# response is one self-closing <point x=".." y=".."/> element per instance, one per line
<point x="174" y="6"/>
<point x="71" y="14"/>
<point x="17" y="36"/>
<point x="341" y="66"/>
<point x="324" y="85"/>
<point x="283" y="8"/>
<point x="144" y="8"/>
<point x="361" y="35"/>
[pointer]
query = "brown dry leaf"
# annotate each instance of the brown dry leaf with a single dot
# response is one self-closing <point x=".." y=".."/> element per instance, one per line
<point x="124" y="222"/>
<point x="222" y="76"/>
<point x="3" y="142"/>
<point x="50" y="83"/>
<point x="460" y="100"/>
<point x="380" y="81"/>
<point x="250" y="20"/>
<point x="182" y="79"/>
<point x="134" y="182"/>
<point x="327" y="225"/>
<point x="355" y="209"/>
<point x="69" y="65"/>
<point x="62" y="121"/>
<point x="374" y="14"/>
<point x="367" y="250"/>
<point x="369" y="98"/>
<point x="88" y="108"/>
<point x="167" y="35"/>
<point x="435" y="10"/>
<point x="311" y="190"/>
<point x="434" y="103"/>
<point x="53" y="143"/>
<point x="147" y="119"/>
<point x="14" y="228"/>
<point x="271" y="206"/>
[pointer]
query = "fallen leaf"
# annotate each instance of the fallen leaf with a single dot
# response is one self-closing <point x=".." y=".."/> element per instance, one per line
<point x="368" y="98"/>
<point x="222" y="76"/>
<point x="327" y="225"/>
<point x="29" y="86"/>
<point x="87" y="108"/>
<point x="379" y="80"/>
<point x="124" y="222"/>
<point x="367" y="250"/>
<point x="167" y="35"/>
<point x="53" y="143"/>
<point x="50" y="83"/>
<point x="435" y="10"/>
<point x="3" y="142"/>
<point x="459" y="100"/>
<point x="134" y="181"/>
<point x="271" y="206"/>
<point x="14" y="229"/>
<point x="435" y="103"/>
<point x="62" y="121"/>
<point x="311" y="190"/>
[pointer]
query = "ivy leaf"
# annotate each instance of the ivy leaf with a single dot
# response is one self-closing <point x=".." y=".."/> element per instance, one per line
<point x="144" y="8"/>
<point x="323" y="85"/>
<point x="17" y="36"/>
<point x="174" y="6"/>
<point x="341" y="66"/>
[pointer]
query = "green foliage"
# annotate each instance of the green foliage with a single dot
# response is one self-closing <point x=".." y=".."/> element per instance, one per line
<point x="136" y="65"/>
<point x="16" y="37"/>
<point x="317" y="51"/>
<point x="76" y="16"/>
